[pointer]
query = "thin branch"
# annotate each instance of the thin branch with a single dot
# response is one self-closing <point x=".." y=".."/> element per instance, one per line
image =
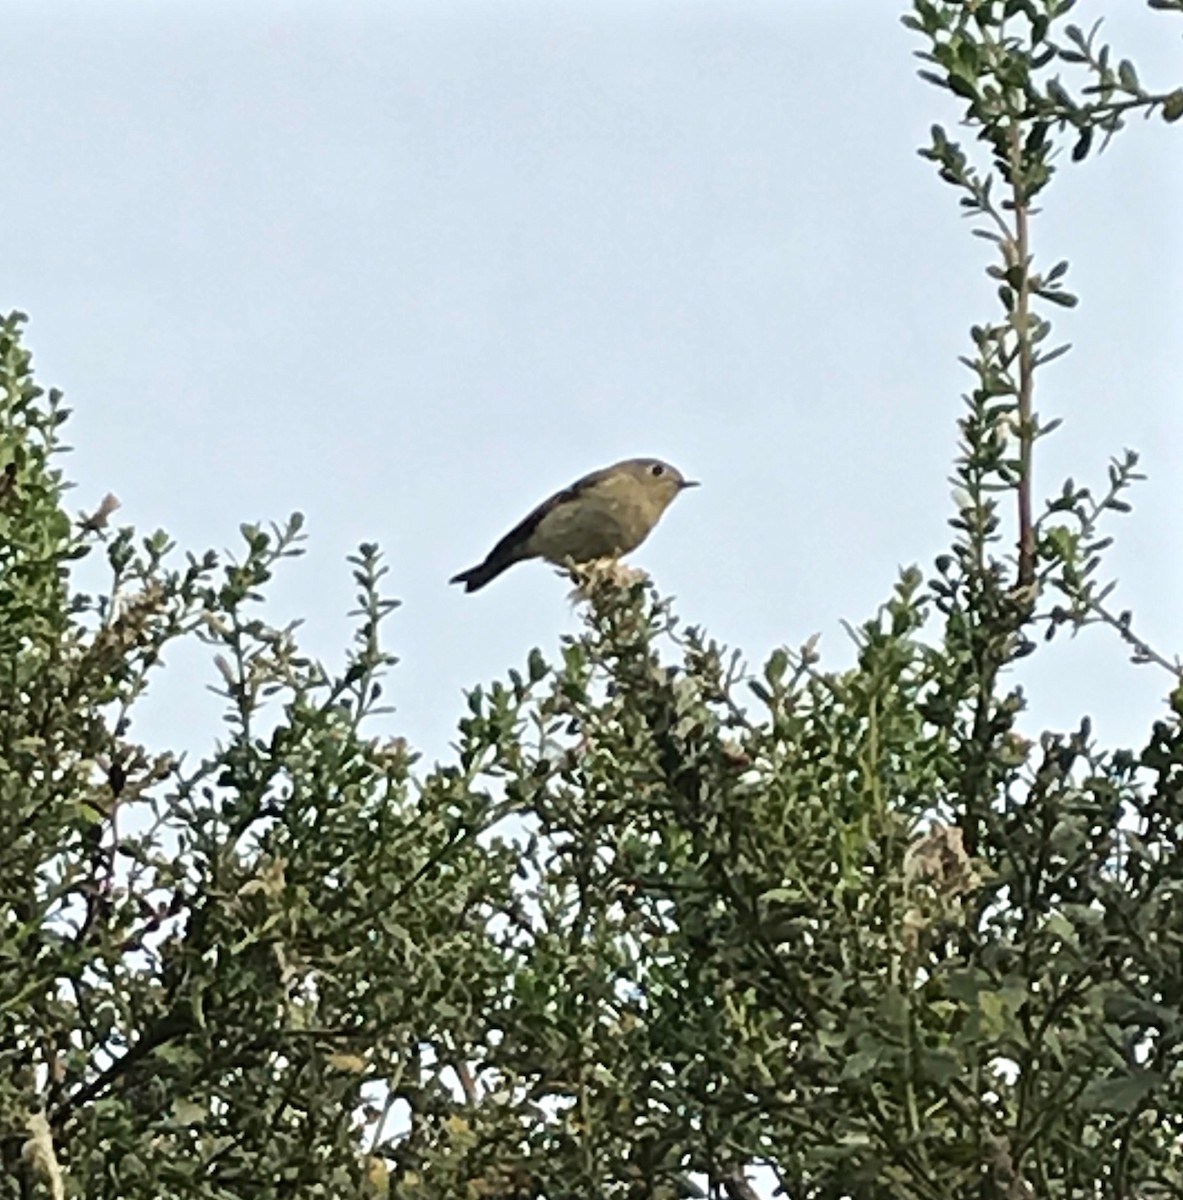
<point x="165" y="1031"/>
<point x="1143" y="651"/>
<point x="1022" y="322"/>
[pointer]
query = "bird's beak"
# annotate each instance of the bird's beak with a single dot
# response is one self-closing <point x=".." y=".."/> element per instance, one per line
<point x="689" y="483"/>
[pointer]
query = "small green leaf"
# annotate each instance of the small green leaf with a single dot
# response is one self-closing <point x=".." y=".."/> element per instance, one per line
<point x="1063" y="299"/>
<point x="860" y="1063"/>
<point x="938" y="1065"/>
<point x="536" y="665"/>
<point x="1121" y="1093"/>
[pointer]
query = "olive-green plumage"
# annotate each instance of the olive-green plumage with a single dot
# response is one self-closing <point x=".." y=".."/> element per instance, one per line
<point x="603" y="515"/>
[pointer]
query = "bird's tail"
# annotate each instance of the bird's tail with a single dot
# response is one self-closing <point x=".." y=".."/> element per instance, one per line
<point x="476" y="577"/>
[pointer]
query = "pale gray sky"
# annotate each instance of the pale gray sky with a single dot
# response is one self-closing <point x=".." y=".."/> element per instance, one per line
<point x="409" y="267"/>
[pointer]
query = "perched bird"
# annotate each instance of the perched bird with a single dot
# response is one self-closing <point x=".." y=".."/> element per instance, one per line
<point x="603" y="515"/>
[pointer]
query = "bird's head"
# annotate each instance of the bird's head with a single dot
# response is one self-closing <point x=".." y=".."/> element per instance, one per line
<point x="660" y="481"/>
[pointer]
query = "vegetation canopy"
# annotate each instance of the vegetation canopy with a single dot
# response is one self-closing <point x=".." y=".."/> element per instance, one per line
<point x="663" y="927"/>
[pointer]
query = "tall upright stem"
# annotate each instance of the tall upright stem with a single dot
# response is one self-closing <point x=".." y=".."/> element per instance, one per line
<point x="1022" y="323"/>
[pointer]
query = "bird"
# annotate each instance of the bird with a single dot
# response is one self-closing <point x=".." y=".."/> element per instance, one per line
<point x="606" y="514"/>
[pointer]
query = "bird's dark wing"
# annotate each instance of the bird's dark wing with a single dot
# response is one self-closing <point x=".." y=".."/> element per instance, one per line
<point x="510" y="546"/>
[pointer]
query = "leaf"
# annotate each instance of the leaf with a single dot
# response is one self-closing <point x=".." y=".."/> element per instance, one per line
<point x="1063" y="299"/>
<point x="860" y="1063"/>
<point x="939" y="1065"/>
<point x="998" y="1009"/>
<point x="188" y="1112"/>
<point x="353" y="1064"/>
<point x="536" y="665"/>
<point x="1120" y="1094"/>
<point x="1134" y="1010"/>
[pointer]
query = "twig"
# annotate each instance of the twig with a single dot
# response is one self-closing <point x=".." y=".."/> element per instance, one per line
<point x="1143" y="651"/>
<point x="1022" y="324"/>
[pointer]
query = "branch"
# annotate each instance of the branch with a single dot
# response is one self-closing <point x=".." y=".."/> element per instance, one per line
<point x="1022" y="323"/>
<point x="165" y="1031"/>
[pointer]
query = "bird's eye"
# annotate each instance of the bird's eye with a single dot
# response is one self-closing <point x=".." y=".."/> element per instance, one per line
<point x="657" y="470"/>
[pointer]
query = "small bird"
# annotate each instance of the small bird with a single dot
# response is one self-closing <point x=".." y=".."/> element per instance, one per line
<point x="603" y="515"/>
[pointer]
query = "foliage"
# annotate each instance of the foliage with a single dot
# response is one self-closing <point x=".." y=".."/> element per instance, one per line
<point x="660" y="920"/>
